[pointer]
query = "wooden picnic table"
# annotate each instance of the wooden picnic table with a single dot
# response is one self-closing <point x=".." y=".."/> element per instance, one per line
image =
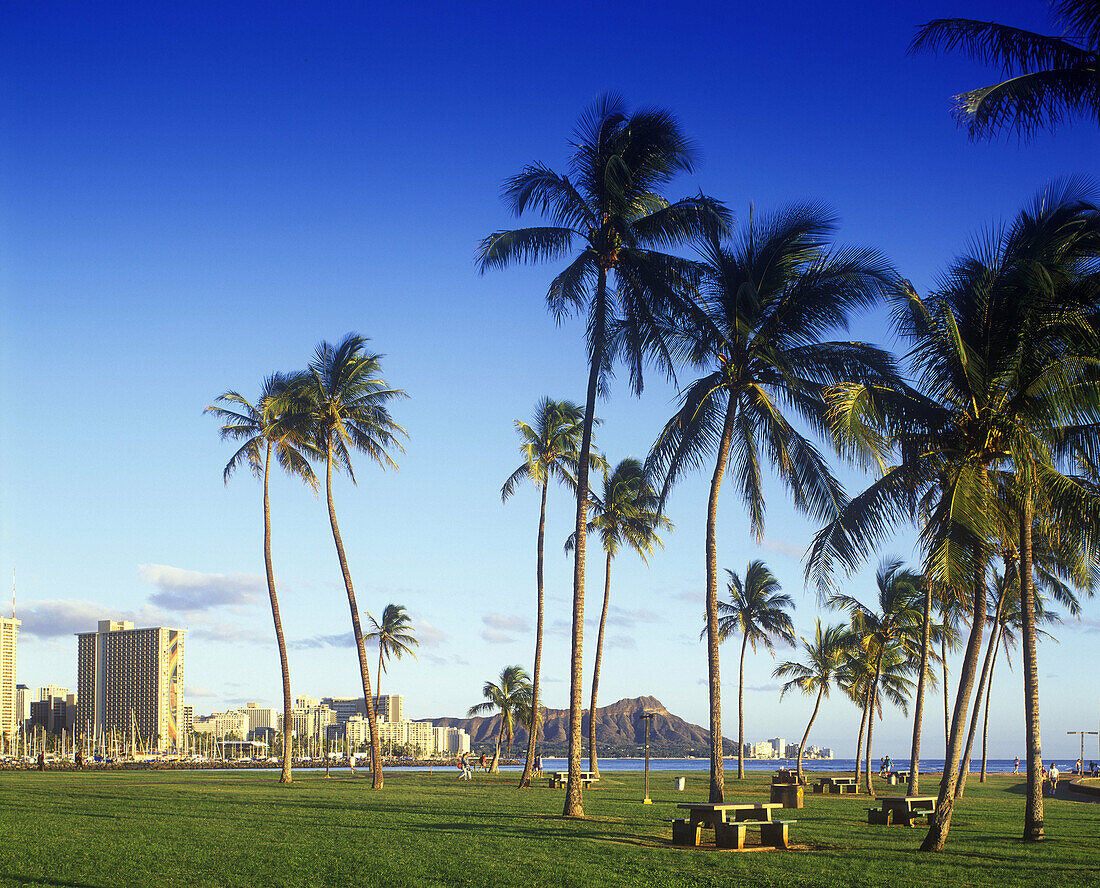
<point x="561" y="778"/>
<point x="896" y="777"/>
<point x="901" y="809"/>
<point x="730" y="822"/>
<point x="836" y="785"/>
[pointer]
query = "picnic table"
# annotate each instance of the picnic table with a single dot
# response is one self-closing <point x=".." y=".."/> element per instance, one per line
<point x="835" y="785"/>
<point x="787" y="775"/>
<point x="560" y="779"/>
<point x="896" y="777"/>
<point x="730" y="823"/>
<point x="902" y="809"/>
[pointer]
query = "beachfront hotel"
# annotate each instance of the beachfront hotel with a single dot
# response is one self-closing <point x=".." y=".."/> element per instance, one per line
<point x="10" y="716"/>
<point x="130" y="681"/>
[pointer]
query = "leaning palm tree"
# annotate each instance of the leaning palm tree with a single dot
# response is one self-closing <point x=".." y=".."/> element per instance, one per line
<point x="349" y="412"/>
<point x="626" y="513"/>
<point x="1050" y="80"/>
<point x="1004" y="353"/>
<point x="273" y="425"/>
<point x="757" y="611"/>
<point x="395" y="638"/>
<point x="767" y="302"/>
<point x="815" y="674"/>
<point x="511" y="697"/>
<point x="551" y="448"/>
<point x="610" y="207"/>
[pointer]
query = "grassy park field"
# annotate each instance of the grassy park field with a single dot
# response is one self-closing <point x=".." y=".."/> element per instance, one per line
<point x="111" y="829"/>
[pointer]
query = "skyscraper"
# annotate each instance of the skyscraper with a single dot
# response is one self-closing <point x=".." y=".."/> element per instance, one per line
<point x="9" y="713"/>
<point x="130" y="680"/>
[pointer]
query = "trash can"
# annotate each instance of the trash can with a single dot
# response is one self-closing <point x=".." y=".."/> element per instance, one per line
<point x="678" y="783"/>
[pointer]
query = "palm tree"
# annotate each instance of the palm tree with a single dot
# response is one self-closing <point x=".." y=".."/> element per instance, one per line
<point x="551" y="447"/>
<point x="511" y="697"/>
<point x="1001" y="352"/>
<point x="609" y="206"/>
<point x="348" y="411"/>
<point x="757" y="610"/>
<point x="1050" y="79"/>
<point x="271" y="425"/>
<point x="626" y="512"/>
<point x="766" y="303"/>
<point x="395" y="638"/>
<point x="815" y="674"/>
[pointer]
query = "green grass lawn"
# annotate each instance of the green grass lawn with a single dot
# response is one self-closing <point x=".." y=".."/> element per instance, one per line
<point x="242" y="828"/>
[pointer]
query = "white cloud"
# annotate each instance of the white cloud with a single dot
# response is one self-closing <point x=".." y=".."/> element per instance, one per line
<point x="339" y="640"/>
<point x="428" y="635"/>
<point x="618" y="616"/>
<point x="191" y="691"/>
<point x="56" y="619"/>
<point x="190" y="590"/>
<point x="782" y="547"/>
<point x="507" y="622"/>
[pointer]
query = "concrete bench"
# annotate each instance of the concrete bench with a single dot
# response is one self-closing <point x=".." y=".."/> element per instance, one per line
<point x="773" y="833"/>
<point x="686" y="833"/>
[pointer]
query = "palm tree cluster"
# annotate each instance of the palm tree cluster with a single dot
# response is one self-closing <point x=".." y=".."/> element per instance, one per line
<point x="985" y="434"/>
<point x="337" y="406"/>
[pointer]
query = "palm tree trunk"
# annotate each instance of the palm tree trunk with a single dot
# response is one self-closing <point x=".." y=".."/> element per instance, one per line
<point x="741" y="711"/>
<point x="870" y="734"/>
<point x="1034" y="830"/>
<point x="494" y="765"/>
<point x="983" y="684"/>
<point x="988" y="694"/>
<point x="356" y="628"/>
<point x="574" y="798"/>
<point x="859" y="742"/>
<point x="806" y="736"/>
<point x="946" y="706"/>
<point x="941" y="817"/>
<point x="532" y="739"/>
<point x="378" y="690"/>
<point x="717" y="765"/>
<point x="918" y="712"/>
<point x="593" y="764"/>
<point x="279" y="638"/>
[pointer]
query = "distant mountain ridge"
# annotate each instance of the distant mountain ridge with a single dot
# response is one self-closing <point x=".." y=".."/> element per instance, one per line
<point x="620" y="730"/>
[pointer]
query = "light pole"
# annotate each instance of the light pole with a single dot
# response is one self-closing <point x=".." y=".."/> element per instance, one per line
<point x="647" y="717"/>
<point x="1082" y="733"/>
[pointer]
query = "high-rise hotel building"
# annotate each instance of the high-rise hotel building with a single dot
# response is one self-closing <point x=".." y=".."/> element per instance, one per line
<point x="130" y="679"/>
<point x="10" y="716"/>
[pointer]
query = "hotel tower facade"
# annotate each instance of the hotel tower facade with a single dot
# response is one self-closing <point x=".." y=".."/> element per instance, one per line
<point x="10" y="715"/>
<point x="130" y="681"/>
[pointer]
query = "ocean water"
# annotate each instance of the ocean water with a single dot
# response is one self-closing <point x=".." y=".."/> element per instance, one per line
<point x="927" y="766"/>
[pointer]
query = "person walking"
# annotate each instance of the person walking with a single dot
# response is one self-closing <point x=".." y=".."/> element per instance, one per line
<point x="1016" y="765"/>
<point x="1053" y="778"/>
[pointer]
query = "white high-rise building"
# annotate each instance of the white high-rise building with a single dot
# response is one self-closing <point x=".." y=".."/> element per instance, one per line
<point x="9" y="712"/>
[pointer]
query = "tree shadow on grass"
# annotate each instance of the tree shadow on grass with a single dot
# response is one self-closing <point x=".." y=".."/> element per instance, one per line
<point x="534" y="833"/>
<point x="24" y="879"/>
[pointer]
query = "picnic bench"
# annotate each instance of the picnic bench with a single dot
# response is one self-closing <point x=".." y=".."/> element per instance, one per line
<point x="788" y="775"/>
<point x="895" y="777"/>
<point x="895" y="810"/>
<point x="835" y="785"/>
<point x="560" y="779"/>
<point x="731" y="823"/>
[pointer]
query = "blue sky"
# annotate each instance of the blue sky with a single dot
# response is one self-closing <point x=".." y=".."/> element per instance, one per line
<point x="194" y="195"/>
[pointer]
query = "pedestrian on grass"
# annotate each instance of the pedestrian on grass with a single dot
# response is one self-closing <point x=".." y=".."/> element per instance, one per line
<point x="1016" y="766"/>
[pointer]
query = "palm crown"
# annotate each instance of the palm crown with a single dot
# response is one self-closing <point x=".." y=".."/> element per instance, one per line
<point x="757" y="609"/>
<point x="550" y="446"/>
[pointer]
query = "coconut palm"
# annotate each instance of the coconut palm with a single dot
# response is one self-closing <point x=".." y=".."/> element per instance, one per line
<point x="815" y="674"/>
<point x="551" y="447"/>
<point x="511" y="697"/>
<point x="626" y="512"/>
<point x="767" y="301"/>
<point x="757" y="611"/>
<point x="609" y="207"/>
<point x="349" y="412"/>
<point x="891" y="632"/>
<point x="395" y="638"/>
<point x="273" y="425"/>
<point x="1050" y="80"/>
<point x="1002" y="353"/>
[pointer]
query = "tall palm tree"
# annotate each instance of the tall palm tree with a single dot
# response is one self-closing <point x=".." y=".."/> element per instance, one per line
<point x="349" y="412"/>
<point x="1003" y="352"/>
<point x="892" y="632"/>
<point x="1049" y="79"/>
<point x="273" y="425"/>
<point x="608" y="206"/>
<point x="395" y="638"/>
<point x="767" y="301"/>
<point x="551" y="448"/>
<point x="815" y="674"/>
<point x="757" y="610"/>
<point x="627" y="513"/>
<point x="511" y="697"/>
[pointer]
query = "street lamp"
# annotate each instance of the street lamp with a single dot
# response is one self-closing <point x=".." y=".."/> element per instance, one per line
<point x="647" y="717"/>
<point x="1082" y="733"/>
